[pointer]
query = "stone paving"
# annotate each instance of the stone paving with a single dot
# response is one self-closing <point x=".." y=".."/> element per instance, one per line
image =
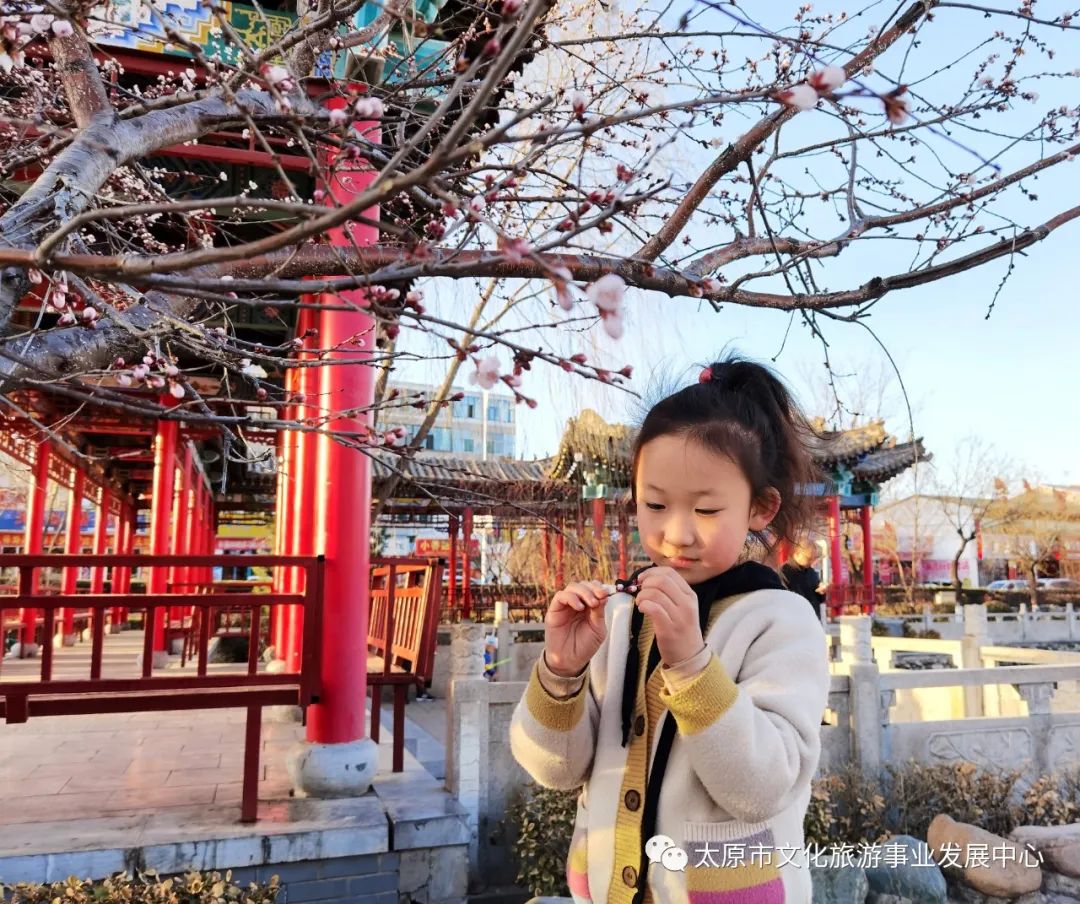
<point x="75" y="783"/>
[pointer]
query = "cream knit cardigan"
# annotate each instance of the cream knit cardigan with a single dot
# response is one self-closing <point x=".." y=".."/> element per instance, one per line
<point x="746" y="748"/>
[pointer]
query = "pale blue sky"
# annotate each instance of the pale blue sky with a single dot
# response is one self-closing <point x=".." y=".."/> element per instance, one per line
<point x="1013" y="379"/>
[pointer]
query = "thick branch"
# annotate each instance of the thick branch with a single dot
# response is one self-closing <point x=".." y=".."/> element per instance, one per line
<point x="83" y="86"/>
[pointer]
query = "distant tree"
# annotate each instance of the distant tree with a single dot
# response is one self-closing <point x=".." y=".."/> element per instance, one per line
<point x="966" y="489"/>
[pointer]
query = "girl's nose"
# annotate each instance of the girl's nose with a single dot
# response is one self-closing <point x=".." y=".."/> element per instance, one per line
<point x="678" y="532"/>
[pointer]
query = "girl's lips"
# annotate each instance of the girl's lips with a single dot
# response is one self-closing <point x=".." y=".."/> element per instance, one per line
<point x="681" y="561"/>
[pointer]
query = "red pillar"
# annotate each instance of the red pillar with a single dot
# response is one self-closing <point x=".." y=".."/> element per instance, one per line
<point x="101" y="540"/>
<point x="35" y="530"/>
<point x="343" y="493"/>
<point x="303" y="476"/>
<point x="466" y="571"/>
<point x="123" y="544"/>
<point x="624" y="540"/>
<point x="834" y="541"/>
<point x="599" y="512"/>
<point x="161" y="505"/>
<point x="868" y="558"/>
<point x="452" y="590"/>
<point x="546" y="537"/>
<point x="284" y="579"/>
<point x="560" y="549"/>
<point x="72" y="546"/>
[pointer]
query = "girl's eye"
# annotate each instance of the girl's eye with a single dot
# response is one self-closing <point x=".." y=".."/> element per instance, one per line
<point x="654" y="506"/>
<point x="707" y="511"/>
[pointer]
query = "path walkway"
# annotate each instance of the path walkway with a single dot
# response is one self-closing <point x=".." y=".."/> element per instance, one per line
<point x="76" y="777"/>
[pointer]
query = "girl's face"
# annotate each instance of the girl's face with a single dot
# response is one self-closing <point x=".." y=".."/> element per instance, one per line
<point x="694" y="508"/>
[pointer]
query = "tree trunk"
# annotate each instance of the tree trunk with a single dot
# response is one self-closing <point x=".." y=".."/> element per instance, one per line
<point x="956" y="566"/>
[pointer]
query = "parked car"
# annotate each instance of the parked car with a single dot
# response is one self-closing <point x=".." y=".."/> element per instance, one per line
<point x="1059" y="584"/>
<point x="1013" y="585"/>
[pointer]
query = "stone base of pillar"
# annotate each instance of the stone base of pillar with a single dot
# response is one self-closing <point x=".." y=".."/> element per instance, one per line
<point x="70" y="640"/>
<point x="333" y="770"/>
<point x="16" y="651"/>
<point x="160" y="660"/>
<point x="276" y="667"/>
<point x="283" y="714"/>
<point x="114" y="629"/>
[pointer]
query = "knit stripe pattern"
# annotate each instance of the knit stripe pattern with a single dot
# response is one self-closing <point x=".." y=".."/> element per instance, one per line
<point x="628" y="822"/>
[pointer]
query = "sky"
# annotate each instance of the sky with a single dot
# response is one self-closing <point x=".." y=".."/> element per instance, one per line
<point x="1012" y="379"/>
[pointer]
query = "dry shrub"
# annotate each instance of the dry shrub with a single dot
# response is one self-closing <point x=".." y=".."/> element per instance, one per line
<point x="145" y="888"/>
<point x="846" y="806"/>
<point x="918" y="792"/>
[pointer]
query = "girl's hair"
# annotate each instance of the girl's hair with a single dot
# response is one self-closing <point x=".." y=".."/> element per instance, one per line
<point x="742" y="410"/>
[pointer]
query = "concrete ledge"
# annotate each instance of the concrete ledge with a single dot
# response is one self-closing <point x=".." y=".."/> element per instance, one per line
<point x="421" y="813"/>
<point x="202" y="837"/>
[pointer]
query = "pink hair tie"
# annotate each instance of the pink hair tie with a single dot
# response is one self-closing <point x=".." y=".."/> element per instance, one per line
<point x="705" y="376"/>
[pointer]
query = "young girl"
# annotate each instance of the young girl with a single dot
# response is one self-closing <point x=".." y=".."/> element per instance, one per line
<point x="689" y="701"/>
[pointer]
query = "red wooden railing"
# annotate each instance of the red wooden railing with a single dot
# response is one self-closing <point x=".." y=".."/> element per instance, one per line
<point x="20" y="700"/>
<point x="206" y="603"/>
<point x="844" y="597"/>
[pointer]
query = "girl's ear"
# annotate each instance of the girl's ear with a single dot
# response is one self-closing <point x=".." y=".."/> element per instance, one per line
<point x="764" y="509"/>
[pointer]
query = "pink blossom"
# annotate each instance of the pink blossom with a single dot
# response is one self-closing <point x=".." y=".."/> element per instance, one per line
<point x="176" y="390"/>
<point x="897" y="108"/>
<point x="561" y="279"/>
<point x="613" y="325"/>
<point x="801" y="96"/>
<point x="513" y="381"/>
<point x="66" y="319"/>
<point x="123" y="379"/>
<point x="13" y="60"/>
<point x="486" y="374"/>
<point x="338" y="117"/>
<point x="477" y="204"/>
<point x="514" y="250"/>
<point x="492" y="48"/>
<point x="578" y="101"/>
<point x="41" y="22"/>
<point x="510" y="7"/>
<point x="139" y="371"/>
<point x="157" y="382"/>
<point x="172" y="371"/>
<point x="280" y="77"/>
<point x="827" y="80"/>
<point x="89" y="315"/>
<point x="62" y="28"/>
<point x="369" y="108"/>
<point x="710" y="284"/>
<point x="607" y="293"/>
<point x="35" y="276"/>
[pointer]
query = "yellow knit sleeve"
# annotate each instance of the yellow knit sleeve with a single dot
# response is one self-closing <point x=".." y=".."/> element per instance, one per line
<point x="557" y="714"/>
<point x="699" y="702"/>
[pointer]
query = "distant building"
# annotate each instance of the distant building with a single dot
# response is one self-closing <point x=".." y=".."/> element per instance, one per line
<point x="481" y="425"/>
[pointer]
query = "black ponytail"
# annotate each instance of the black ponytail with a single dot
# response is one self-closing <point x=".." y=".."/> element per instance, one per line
<point x="741" y="409"/>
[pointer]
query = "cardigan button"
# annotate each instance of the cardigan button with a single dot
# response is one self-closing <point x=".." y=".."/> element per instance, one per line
<point x="639" y="726"/>
<point x="629" y="876"/>
<point x="632" y="800"/>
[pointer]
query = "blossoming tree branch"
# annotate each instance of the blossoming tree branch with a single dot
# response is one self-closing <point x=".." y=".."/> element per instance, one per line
<point x="549" y="158"/>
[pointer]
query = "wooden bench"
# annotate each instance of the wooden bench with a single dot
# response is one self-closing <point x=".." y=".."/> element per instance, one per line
<point x="250" y="690"/>
<point x="402" y="624"/>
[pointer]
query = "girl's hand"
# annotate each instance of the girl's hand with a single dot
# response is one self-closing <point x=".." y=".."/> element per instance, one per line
<point x="673" y="609"/>
<point x="575" y="626"/>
